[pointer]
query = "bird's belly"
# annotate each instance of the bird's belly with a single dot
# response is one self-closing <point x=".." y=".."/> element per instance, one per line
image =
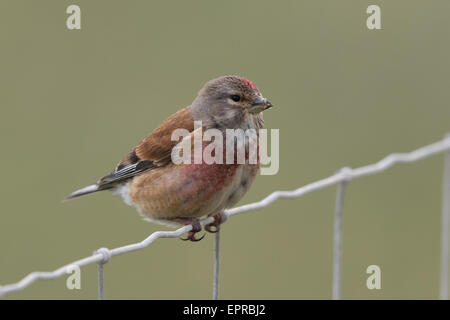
<point x="189" y="190"/>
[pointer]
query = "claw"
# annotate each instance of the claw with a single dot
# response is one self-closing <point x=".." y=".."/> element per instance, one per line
<point x="216" y="224"/>
<point x="196" y="227"/>
<point x="191" y="237"/>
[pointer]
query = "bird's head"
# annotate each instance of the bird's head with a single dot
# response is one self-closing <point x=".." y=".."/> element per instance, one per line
<point x="229" y="101"/>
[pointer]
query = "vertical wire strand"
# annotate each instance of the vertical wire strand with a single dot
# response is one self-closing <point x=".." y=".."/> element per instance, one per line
<point x="216" y="266"/>
<point x="337" y="239"/>
<point x="106" y="257"/>
<point x="101" y="288"/>
<point x="445" y="238"/>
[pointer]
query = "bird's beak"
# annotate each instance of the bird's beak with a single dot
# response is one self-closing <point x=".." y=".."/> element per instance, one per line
<point x="259" y="104"/>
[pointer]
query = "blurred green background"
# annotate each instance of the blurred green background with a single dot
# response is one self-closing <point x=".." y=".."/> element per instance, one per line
<point x="74" y="102"/>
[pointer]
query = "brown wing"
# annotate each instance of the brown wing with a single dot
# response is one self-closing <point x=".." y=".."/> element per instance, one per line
<point x="158" y="145"/>
<point x="154" y="151"/>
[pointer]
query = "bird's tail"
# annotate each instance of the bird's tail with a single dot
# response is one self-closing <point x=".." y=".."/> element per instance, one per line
<point x="86" y="190"/>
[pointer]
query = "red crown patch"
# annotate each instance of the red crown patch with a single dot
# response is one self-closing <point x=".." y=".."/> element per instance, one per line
<point x="249" y="83"/>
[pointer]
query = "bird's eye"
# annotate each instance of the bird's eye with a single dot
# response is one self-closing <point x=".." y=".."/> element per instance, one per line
<point x="235" y="98"/>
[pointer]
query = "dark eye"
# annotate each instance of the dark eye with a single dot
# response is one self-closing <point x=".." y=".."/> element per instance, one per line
<point x="235" y="98"/>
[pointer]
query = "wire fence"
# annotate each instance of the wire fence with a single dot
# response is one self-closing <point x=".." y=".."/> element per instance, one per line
<point x="342" y="178"/>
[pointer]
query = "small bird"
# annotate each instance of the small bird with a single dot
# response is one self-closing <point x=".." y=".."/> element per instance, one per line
<point x="180" y="194"/>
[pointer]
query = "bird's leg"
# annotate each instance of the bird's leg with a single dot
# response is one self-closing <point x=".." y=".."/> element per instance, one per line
<point x="196" y="227"/>
<point x="218" y="219"/>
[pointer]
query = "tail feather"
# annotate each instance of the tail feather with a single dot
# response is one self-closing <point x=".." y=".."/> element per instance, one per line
<point x="83" y="191"/>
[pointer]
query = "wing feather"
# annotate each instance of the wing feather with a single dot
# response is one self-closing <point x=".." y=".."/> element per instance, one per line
<point x="153" y="152"/>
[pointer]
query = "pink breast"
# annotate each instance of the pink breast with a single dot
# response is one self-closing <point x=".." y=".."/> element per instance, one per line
<point x="191" y="190"/>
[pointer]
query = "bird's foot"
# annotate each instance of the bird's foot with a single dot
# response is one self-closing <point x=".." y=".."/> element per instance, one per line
<point x="214" y="227"/>
<point x="196" y="227"/>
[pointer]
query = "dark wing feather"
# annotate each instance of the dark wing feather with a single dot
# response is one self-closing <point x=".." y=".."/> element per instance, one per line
<point x="125" y="173"/>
